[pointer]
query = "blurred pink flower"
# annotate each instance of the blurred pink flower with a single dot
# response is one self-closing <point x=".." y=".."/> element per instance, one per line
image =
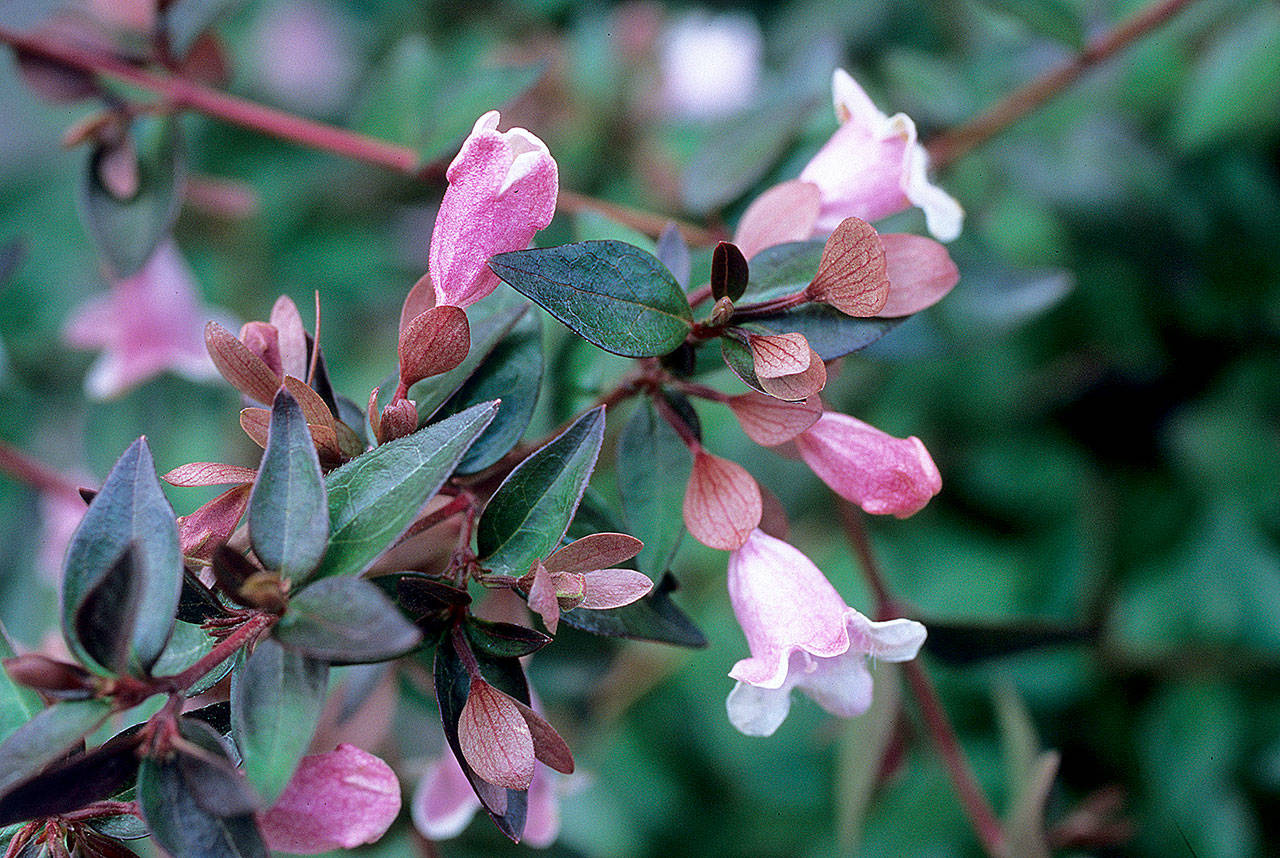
<point x="710" y="64"/>
<point x="339" y="800"/>
<point x="802" y="635"/>
<point x="444" y="803"/>
<point x="502" y="189"/>
<point x="303" y="56"/>
<point x="873" y="167"/>
<point x="149" y="323"/>
<point x="880" y="473"/>
<point x="60" y="515"/>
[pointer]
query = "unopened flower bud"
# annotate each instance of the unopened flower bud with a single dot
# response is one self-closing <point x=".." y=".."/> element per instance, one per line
<point x="45" y="674"/>
<point x="399" y="418"/>
<point x="722" y="311"/>
<point x="263" y="339"/>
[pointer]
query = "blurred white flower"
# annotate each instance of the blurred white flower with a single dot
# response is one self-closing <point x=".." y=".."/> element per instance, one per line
<point x="710" y="64"/>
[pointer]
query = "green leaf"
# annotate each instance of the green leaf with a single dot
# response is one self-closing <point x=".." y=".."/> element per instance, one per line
<point x="737" y="356"/>
<point x="1055" y="19"/>
<point x="503" y="640"/>
<point x="276" y="698"/>
<point x="18" y="704"/>
<point x="1234" y="88"/>
<point x="347" y="621"/>
<point x="512" y="373"/>
<point x="128" y="231"/>
<point x="506" y="807"/>
<point x="47" y="736"/>
<point x="188" y="644"/>
<point x="611" y="294"/>
<point x="652" y="618"/>
<point x="861" y="751"/>
<point x="175" y="798"/>
<point x="71" y="784"/>
<point x="653" y="467"/>
<point x="288" y="513"/>
<point x="187" y="19"/>
<point x="530" y="512"/>
<point x="129" y="509"/>
<point x="374" y="498"/>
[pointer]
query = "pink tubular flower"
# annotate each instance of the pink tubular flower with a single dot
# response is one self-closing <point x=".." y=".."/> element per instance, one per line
<point x="802" y="635"/>
<point x="149" y="323"/>
<point x="880" y="473"/>
<point x="873" y="167"/>
<point x="444" y="803"/>
<point x="502" y="190"/>
<point x="339" y="800"/>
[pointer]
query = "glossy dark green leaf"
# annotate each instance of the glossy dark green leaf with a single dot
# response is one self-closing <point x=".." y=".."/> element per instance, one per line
<point x="503" y="640"/>
<point x="968" y="643"/>
<point x="506" y="807"/>
<point x="611" y="294"/>
<point x="288" y="510"/>
<point x="180" y="824"/>
<point x="653" y="618"/>
<point x="531" y="510"/>
<point x="490" y="321"/>
<point x="123" y="826"/>
<point x="73" y="783"/>
<point x="346" y="620"/>
<point x="512" y="373"/>
<point x="1055" y="19"/>
<point x="18" y="704"/>
<point x="782" y="269"/>
<point x="276" y="698"/>
<point x="374" y="498"/>
<point x="653" y="467"/>
<point x="187" y="645"/>
<point x="127" y="231"/>
<point x="129" y="509"/>
<point x="107" y="617"/>
<point x="47" y="736"/>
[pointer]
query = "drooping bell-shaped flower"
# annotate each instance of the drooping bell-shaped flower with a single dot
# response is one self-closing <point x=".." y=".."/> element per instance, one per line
<point x="339" y="800"/>
<point x="802" y="636"/>
<point x="873" y="167"/>
<point x="880" y="473"/>
<point x="502" y="190"/>
<point x="151" y="322"/>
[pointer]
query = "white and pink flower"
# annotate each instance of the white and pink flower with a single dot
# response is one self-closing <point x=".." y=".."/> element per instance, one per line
<point x="802" y="636"/>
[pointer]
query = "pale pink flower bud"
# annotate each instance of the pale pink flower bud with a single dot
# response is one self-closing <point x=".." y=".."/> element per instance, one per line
<point x="880" y="473"/>
<point x="338" y="800"/>
<point x="151" y="322"/>
<point x="802" y="635"/>
<point x="502" y="190"/>
<point x="873" y="167"/>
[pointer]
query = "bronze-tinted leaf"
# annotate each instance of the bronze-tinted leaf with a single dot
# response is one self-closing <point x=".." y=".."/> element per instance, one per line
<point x="243" y="369"/>
<point x="785" y="212"/>
<point x="778" y="355"/>
<point x="852" y="276"/>
<point x="769" y="421"/>
<point x="209" y="474"/>
<point x="495" y="737"/>
<point x="721" y="503"/>
<point x="800" y="386"/>
<point x="436" y="341"/>
<point x="597" y="551"/>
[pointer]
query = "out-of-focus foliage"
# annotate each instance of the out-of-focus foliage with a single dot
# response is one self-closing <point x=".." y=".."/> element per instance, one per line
<point x="1101" y="391"/>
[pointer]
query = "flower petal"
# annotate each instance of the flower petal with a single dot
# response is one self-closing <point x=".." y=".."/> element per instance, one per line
<point x="757" y="711"/>
<point x="338" y="800"/>
<point x="443" y="802"/>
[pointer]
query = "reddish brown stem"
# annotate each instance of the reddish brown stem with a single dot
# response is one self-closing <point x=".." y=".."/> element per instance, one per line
<point x="102" y="808"/>
<point x="460" y="503"/>
<point x="224" y="649"/>
<point x="27" y="470"/>
<point x="951" y="145"/>
<point x="677" y="423"/>
<point x="943" y="736"/>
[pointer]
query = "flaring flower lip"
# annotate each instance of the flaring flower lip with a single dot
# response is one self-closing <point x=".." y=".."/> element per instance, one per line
<point x="503" y="187"/>
<point x="873" y="167"/>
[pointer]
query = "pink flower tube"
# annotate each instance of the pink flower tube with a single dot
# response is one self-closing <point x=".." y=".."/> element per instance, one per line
<point x="873" y="167"/>
<point x="502" y="190"/>
<point x="338" y="800"/>
<point x="802" y="635"/>
<point x="880" y="473"/>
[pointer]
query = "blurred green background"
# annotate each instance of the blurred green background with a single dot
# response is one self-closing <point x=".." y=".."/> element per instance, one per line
<point x="1101" y="390"/>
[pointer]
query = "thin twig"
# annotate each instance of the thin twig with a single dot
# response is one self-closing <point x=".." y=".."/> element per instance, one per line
<point x="27" y="470"/>
<point x="981" y="817"/>
<point x="951" y="145"/>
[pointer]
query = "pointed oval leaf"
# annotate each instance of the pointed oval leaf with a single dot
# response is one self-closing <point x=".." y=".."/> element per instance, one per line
<point x="503" y="640"/>
<point x="108" y="614"/>
<point x="71" y="784"/>
<point x="728" y="272"/>
<point x="610" y="293"/>
<point x="346" y="620"/>
<point x="852" y="276"/>
<point x="375" y="497"/>
<point x="47" y="736"/>
<point x="128" y="229"/>
<point x="129" y="509"/>
<point x="528" y="515"/>
<point x="181" y="826"/>
<point x="242" y="369"/>
<point x="548" y="746"/>
<point x="202" y="532"/>
<point x="276" y="698"/>
<point x="292" y="336"/>
<point x="613" y="588"/>
<point x="513" y="373"/>
<point x="209" y="474"/>
<point x="594" y="551"/>
<point x="288" y="509"/>
<point x="506" y="807"/>
<point x="653" y="466"/>
<point x="654" y="617"/>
